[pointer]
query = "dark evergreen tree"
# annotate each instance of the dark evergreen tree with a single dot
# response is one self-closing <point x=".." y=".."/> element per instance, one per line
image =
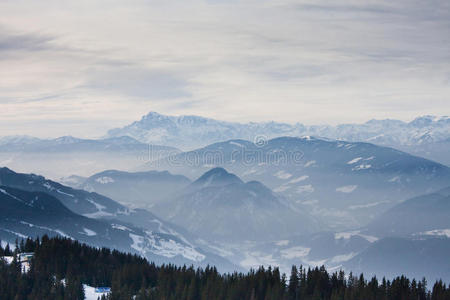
<point x="61" y="266"/>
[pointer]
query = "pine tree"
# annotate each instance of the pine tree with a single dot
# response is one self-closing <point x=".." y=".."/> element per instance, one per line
<point x="294" y="282"/>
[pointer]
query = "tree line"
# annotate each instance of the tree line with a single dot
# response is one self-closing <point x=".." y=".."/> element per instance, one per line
<point x="61" y="266"/>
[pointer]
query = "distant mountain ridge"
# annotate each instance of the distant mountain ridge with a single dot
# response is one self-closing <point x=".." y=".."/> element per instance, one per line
<point x="189" y="132"/>
<point x="61" y="157"/>
<point x="139" y="189"/>
<point x="346" y="183"/>
<point x="426" y="215"/>
<point x="413" y="257"/>
<point x="70" y="143"/>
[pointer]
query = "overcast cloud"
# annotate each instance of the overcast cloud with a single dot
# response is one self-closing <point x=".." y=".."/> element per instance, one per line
<point x="82" y="67"/>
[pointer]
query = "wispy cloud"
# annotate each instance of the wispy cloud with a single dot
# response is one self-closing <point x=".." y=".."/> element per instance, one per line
<point x="288" y="60"/>
<point x="137" y="82"/>
<point x="12" y="41"/>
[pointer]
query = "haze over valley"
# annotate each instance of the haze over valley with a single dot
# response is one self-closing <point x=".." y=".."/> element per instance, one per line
<point x="252" y="194"/>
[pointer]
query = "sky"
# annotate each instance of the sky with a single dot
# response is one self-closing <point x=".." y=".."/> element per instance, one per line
<point x="82" y="67"/>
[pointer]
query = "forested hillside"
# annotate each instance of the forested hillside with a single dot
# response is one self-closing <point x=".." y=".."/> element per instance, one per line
<point x="60" y="266"/>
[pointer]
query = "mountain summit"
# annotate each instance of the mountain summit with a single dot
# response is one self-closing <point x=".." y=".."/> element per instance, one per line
<point x="217" y="177"/>
<point x="219" y="206"/>
<point x="427" y="136"/>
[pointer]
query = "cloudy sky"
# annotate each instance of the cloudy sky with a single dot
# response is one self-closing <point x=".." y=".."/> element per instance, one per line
<point x="82" y="67"/>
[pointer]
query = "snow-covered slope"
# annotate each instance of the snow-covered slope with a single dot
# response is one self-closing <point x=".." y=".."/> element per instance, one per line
<point x="423" y="136"/>
<point x="138" y="230"/>
<point x="79" y="201"/>
<point x="331" y="249"/>
<point x="31" y="214"/>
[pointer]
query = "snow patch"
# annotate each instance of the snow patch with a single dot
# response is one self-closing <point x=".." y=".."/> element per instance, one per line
<point x="60" y="232"/>
<point x="282" y="175"/>
<point x="347" y="235"/>
<point x="282" y="243"/>
<point x="90" y="294"/>
<point x="120" y="227"/>
<point x="100" y="210"/>
<point x="353" y="207"/>
<point x="438" y="232"/>
<point x="89" y="232"/>
<point x="305" y="189"/>
<point x="98" y="214"/>
<point x="309" y="202"/>
<point x="299" y="179"/>
<point x="48" y="186"/>
<point x="62" y="193"/>
<point x="346" y="189"/>
<point x="3" y="244"/>
<point x="395" y="179"/>
<point x="281" y="188"/>
<point x="369" y="238"/>
<point x="167" y="248"/>
<point x="7" y="259"/>
<point x="309" y="163"/>
<point x="342" y="257"/>
<point x="362" y="167"/>
<point x="170" y="248"/>
<point x="104" y="180"/>
<point x="15" y="233"/>
<point x="354" y="161"/>
<point x="295" y="252"/>
<point x="138" y="242"/>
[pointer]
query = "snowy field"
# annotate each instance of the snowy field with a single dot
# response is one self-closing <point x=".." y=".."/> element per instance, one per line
<point x="90" y="294"/>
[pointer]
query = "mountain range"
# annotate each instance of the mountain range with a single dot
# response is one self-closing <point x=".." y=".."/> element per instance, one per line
<point x="427" y="136"/>
<point x="33" y="205"/>
<point x="370" y="197"/>
<point x="231" y="220"/>
<point x="346" y="184"/>
<point x="404" y="240"/>
<point x="250" y="225"/>
<point x="156" y="136"/>
<point x="56" y="158"/>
